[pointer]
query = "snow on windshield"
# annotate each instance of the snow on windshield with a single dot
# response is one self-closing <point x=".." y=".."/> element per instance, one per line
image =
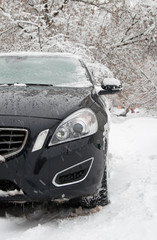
<point x="56" y="71"/>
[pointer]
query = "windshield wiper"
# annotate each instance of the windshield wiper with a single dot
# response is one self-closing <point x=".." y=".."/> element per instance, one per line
<point x="25" y="84"/>
<point x="39" y="84"/>
<point x="4" y="84"/>
<point x="13" y="84"/>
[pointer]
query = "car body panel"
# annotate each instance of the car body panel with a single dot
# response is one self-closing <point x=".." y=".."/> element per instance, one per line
<point x="42" y="101"/>
<point x="37" y="108"/>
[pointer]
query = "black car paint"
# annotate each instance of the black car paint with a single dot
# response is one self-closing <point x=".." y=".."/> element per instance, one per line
<point x="43" y="102"/>
<point x="34" y="108"/>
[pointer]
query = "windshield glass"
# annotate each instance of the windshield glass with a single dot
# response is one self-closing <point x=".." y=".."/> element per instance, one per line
<point x="56" y="71"/>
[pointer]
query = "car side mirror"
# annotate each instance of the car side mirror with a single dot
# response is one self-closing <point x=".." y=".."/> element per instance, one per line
<point x="110" y="86"/>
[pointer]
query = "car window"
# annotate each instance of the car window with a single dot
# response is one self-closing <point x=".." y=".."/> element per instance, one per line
<point x="56" y="71"/>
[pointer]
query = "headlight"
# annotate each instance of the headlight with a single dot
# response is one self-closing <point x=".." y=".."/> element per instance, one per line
<point x="78" y="125"/>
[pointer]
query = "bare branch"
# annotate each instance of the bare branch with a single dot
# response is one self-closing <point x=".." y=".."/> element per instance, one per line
<point x="45" y="6"/>
<point x="39" y="37"/>
<point x="7" y="30"/>
<point x="129" y="28"/>
<point x="98" y="5"/>
<point x="60" y="8"/>
<point x="26" y="22"/>
<point x="3" y="9"/>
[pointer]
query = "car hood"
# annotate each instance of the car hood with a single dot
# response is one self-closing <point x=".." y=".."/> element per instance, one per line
<point x="41" y="101"/>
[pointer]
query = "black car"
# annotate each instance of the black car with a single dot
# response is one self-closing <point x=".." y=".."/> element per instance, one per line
<point x="53" y="142"/>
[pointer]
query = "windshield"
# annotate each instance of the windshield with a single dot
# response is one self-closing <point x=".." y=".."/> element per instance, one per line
<point x="46" y="70"/>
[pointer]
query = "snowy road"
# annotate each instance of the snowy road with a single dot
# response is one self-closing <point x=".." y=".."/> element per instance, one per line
<point x="132" y="213"/>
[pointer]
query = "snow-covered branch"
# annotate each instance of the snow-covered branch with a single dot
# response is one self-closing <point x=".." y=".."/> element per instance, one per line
<point x="6" y="30"/>
<point x="115" y="34"/>
<point x="26" y="22"/>
<point x="97" y="4"/>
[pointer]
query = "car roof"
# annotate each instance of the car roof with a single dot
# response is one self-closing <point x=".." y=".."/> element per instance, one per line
<point x="40" y="54"/>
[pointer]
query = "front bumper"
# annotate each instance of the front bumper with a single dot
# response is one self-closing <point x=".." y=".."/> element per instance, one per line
<point x="64" y="171"/>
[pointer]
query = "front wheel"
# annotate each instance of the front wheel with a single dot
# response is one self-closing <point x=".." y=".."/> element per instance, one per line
<point x="98" y="199"/>
<point x="101" y="197"/>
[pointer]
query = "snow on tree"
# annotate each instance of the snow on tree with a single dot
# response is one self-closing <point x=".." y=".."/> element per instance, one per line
<point x="118" y="34"/>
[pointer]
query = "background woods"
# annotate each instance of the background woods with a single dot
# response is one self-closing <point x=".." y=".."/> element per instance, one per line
<point x="118" y="34"/>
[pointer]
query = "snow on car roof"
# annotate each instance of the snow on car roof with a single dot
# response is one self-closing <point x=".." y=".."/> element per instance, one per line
<point x="40" y="54"/>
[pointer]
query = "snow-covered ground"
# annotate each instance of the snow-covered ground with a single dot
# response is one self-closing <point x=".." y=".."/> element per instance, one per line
<point x="132" y="213"/>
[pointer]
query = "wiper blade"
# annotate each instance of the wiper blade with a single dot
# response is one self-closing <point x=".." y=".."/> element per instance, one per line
<point x="39" y="84"/>
<point x="25" y="84"/>
<point x="13" y="84"/>
<point x="4" y="84"/>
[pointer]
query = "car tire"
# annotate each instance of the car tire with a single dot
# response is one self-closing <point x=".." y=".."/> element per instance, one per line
<point x="98" y="199"/>
<point x="101" y="197"/>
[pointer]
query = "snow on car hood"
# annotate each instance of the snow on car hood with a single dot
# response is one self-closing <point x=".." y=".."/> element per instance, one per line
<point x="41" y="101"/>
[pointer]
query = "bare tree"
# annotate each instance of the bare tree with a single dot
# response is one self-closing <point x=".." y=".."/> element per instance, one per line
<point x="112" y="33"/>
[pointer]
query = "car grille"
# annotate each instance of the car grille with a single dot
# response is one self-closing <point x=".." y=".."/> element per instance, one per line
<point x="12" y="141"/>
